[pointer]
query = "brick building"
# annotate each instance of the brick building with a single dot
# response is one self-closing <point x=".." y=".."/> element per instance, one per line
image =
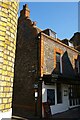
<point x="46" y="69"/>
<point x="8" y="29"/>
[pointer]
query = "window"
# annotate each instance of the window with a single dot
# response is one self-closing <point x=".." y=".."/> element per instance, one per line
<point x="74" y="94"/>
<point x="58" y="63"/>
<point x="77" y="66"/>
<point x="51" y="96"/>
<point x="51" y="33"/>
<point x="59" y="93"/>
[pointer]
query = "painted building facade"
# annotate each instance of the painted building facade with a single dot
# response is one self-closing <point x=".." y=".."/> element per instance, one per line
<point x="8" y="30"/>
<point x="46" y="69"/>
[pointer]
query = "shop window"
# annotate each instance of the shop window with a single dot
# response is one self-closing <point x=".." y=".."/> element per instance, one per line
<point x="70" y="102"/>
<point x="59" y="93"/>
<point x="73" y="102"/>
<point x="74" y="95"/>
<point x="76" y="101"/>
<point x="51" y="96"/>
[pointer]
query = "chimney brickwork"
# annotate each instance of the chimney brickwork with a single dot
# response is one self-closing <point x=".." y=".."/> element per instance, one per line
<point x="25" y="66"/>
<point x="25" y="12"/>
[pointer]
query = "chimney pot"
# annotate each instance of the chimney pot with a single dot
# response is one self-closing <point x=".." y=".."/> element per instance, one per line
<point x="25" y="12"/>
<point x="34" y="23"/>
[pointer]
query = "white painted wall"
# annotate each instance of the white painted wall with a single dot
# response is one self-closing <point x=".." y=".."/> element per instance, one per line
<point x="57" y="108"/>
<point x="6" y="114"/>
<point x="44" y="91"/>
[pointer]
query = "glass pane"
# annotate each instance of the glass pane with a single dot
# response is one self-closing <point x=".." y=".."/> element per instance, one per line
<point x="58" y="62"/>
<point x="51" y="96"/>
<point x="59" y="93"/>
<point x="76" y="66"/>
<point x="57" y="57"/>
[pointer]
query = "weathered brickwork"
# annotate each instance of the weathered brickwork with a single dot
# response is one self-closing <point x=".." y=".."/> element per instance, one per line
<point x="26" y="68"/>
<point x="50" y="47"/>
<point x="8" y="29"/>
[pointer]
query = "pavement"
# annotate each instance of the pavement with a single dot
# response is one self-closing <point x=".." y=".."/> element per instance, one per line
<point x="72" y="114"/>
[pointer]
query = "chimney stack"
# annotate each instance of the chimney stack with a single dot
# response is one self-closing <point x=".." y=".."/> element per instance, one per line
<point x="25" y="12"/>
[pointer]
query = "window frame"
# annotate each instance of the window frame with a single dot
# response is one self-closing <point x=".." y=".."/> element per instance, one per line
<point x="78" y="66"/>
<point x="60" y="69"/>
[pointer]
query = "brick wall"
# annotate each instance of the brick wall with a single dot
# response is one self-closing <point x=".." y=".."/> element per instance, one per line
<point x="25" y="66"/>
<point x="8" y="29"/>
<point x="49" y="48"/>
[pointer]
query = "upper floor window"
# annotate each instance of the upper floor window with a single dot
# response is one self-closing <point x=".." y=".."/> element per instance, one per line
<point x="77" y="66"/>
<point x="58" y="63"/>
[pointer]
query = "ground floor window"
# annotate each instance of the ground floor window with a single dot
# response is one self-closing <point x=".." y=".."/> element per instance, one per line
<point x="51" y="96"/>
<point x="59" y="93"/>
<point x="74" y="95"/>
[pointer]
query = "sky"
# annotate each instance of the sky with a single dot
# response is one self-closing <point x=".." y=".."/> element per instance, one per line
<point x="61" y="17"/>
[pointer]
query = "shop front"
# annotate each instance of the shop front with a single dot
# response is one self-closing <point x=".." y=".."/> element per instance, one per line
<point x="60" y="95"/>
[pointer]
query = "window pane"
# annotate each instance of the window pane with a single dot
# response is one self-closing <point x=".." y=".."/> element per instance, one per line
<point x="59" y="93"/>
<point x="57" y="62"/>
<point x="79" y="66"/>
<point x="57" y="57"/>
<point x="58" y="67"/>
<point x="51" y="96"/>
<point x="76" y="66"/>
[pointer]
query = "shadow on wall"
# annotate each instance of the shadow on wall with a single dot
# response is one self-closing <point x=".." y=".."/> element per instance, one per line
<point x="67" y="67"/>
<point x="25" y="71"/>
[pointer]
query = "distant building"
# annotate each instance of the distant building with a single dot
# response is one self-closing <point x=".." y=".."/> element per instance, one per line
<point x="46" y="68"/>
<point x="75" y="40"/>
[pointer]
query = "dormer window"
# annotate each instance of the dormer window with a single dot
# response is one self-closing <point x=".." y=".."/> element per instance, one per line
<point x="50" y="33"/>
<point x="67" y="42"/>
<point x="70" y="44"/>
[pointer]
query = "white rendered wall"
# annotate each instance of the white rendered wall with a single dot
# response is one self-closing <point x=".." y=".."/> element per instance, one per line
<point x="6" y="115"/>
<point x="57" y="108"/>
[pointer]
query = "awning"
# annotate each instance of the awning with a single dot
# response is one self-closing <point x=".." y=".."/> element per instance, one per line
<point x="54" y="78"/>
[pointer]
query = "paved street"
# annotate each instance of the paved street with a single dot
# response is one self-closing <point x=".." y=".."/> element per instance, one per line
<point x="72" y="114"/>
